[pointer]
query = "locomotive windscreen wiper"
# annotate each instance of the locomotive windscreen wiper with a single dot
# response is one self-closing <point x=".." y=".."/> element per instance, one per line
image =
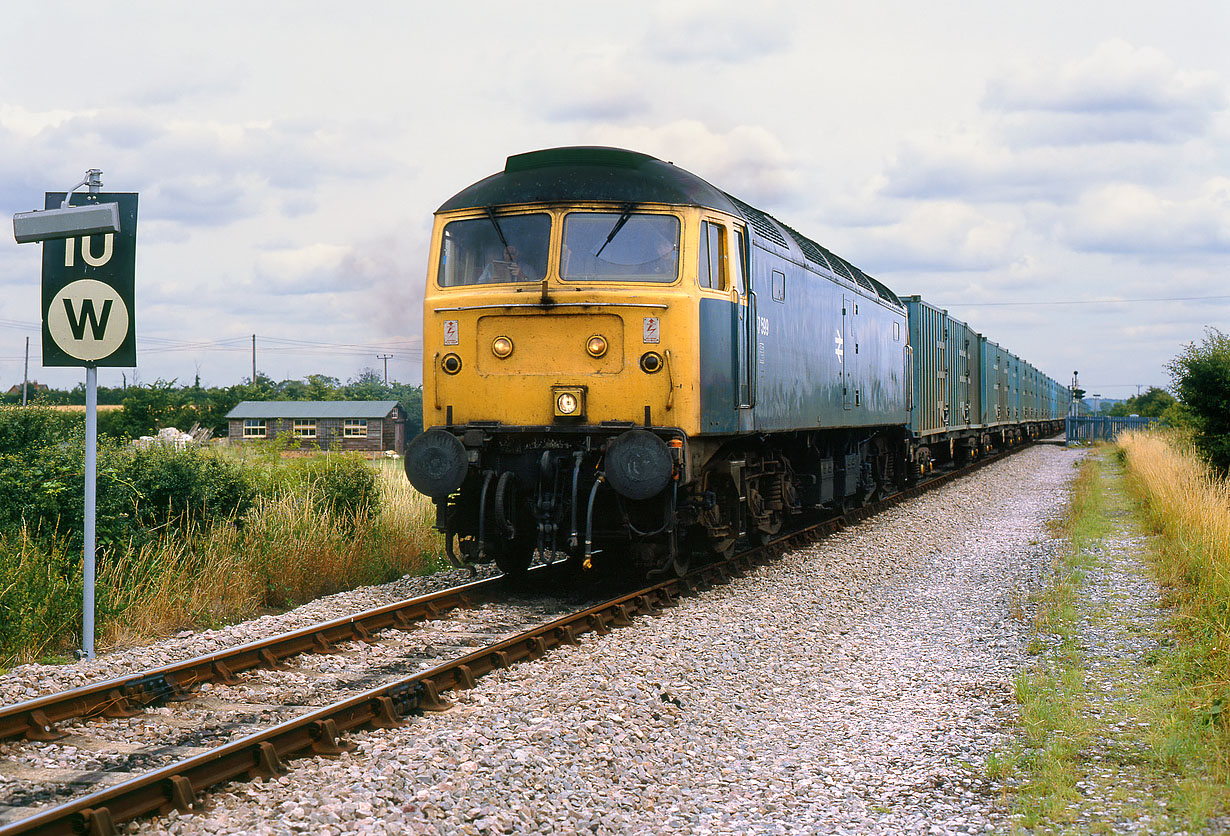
<point x="619" y="224"/>
<point x="496" y="224"/>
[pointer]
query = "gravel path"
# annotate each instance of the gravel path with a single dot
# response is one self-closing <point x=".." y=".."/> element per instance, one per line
<point x="853" y="687"/>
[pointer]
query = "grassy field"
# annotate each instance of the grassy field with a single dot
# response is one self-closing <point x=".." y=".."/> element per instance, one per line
<point x="289" y="550"/>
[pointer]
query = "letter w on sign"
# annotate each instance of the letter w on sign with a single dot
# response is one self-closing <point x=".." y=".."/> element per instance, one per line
<point x="98" y="325"/>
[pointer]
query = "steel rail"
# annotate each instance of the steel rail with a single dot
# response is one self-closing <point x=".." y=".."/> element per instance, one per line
<point x="125" y="696"/>
<point x="175" y="787"/>
<point x="319" y="732"/>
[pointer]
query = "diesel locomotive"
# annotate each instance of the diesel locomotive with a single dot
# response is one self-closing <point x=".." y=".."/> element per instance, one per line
<point x="623" y="363"/>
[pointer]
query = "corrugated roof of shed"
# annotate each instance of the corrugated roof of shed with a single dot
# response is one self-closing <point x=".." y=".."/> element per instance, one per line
<point x="312" y="409"/>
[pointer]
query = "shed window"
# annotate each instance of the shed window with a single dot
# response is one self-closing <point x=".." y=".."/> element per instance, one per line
<point x="355" y="428"/>
<point x="253" y="427"/>
<point x="305" y="428"/>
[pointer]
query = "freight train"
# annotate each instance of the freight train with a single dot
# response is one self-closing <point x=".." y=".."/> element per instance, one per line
<point x="623" y="363"/>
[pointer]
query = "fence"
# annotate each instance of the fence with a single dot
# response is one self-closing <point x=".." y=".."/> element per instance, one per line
<point x="1103" y="428"/>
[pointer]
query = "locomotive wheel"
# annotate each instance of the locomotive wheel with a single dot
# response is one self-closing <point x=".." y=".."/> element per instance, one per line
<point x="514" y="556"/>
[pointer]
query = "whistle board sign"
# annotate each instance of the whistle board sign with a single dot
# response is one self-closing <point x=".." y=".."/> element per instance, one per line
<point x="88" y="313"/>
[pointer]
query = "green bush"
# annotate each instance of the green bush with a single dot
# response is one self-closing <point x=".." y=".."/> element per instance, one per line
<point x="44" y="492"/>
<point x="40" y="598"/>
<point x="42" y="480"/>
<point x="343" y="483"/>
<point x="176" y="487"/>
<point x="24" y="428"/>
<point x="1201" y="377"/>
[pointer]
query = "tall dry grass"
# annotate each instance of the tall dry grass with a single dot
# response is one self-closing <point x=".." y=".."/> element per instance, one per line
<point x="1189" y="507"/>
<point x="287" y="550"/>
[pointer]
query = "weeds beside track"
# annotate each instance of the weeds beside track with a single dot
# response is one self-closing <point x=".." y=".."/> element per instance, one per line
<point x="1120" y="718"/>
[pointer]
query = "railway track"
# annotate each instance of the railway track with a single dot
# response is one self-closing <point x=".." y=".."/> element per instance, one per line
<point x="163" y="737"/>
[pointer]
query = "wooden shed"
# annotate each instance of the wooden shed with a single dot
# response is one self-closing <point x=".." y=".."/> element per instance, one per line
<point x="341" y="426"/>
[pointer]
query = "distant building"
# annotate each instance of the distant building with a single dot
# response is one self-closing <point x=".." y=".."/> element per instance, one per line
<point x="32" y="387"/>
<point x="341" y="426"/>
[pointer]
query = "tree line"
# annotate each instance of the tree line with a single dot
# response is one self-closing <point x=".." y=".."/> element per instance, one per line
<point x="148" y="408"/>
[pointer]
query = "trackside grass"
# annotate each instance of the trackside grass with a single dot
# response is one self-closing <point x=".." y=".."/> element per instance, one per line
<point x="313" y="528"/>
<point x="1188" y="508"/>
<point x="1121" y="721"/>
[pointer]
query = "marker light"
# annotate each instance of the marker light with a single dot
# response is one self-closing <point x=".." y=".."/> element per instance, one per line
<point x="651" y="362"/>
<point x="502" y="347"/>
<point x="566" y="403"/>
<point x="596" y="345"/>
<point x="451" y="363"/>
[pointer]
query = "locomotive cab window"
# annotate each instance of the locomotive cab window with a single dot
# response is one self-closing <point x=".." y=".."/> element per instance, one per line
<point x="711" y="267"/>
<point x="494" y="249"/>
<point x="737" y="264"/>
<point x="620" y="247"/>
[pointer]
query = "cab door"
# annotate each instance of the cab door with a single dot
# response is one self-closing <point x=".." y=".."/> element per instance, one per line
<point x="746" y="330"/>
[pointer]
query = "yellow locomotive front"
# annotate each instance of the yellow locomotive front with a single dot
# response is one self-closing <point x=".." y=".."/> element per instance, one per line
<point x="556" y="316"/>
<point x="561" y="385"/>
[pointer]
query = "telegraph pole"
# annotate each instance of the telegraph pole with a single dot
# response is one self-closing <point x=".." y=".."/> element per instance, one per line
<point x="253" y="359"/>
<point x="25" y="374"/>
<point x="385" y="358"/>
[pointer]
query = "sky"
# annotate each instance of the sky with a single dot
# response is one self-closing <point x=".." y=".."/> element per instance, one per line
<point x="1055" y="174"/>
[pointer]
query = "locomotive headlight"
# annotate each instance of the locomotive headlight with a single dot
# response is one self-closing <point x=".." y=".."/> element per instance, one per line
<point x="451" y="363"/>
<point x="651" y="362"/>
<point x="596" y="345"/>
<point x="502" y="347"/>
<point x="569" y="401"/>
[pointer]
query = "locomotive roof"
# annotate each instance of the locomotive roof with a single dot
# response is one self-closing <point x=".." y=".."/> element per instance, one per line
<point x="589" y="173"/>
<point x="597" y="173"/>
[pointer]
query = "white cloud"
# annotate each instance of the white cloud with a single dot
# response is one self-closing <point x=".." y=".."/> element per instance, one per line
<point x="938" y="236"/>
<point x="315" y="268"/>
<point x="682" y="32"/>
<point x="1119" y="93"/>
<point x="1126" y="218"/>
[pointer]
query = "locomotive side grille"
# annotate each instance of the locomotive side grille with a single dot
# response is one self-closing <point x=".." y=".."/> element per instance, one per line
<point x="759" y="221"/>
<point x="839" y="264"/>
<point x="810" y="249"/>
